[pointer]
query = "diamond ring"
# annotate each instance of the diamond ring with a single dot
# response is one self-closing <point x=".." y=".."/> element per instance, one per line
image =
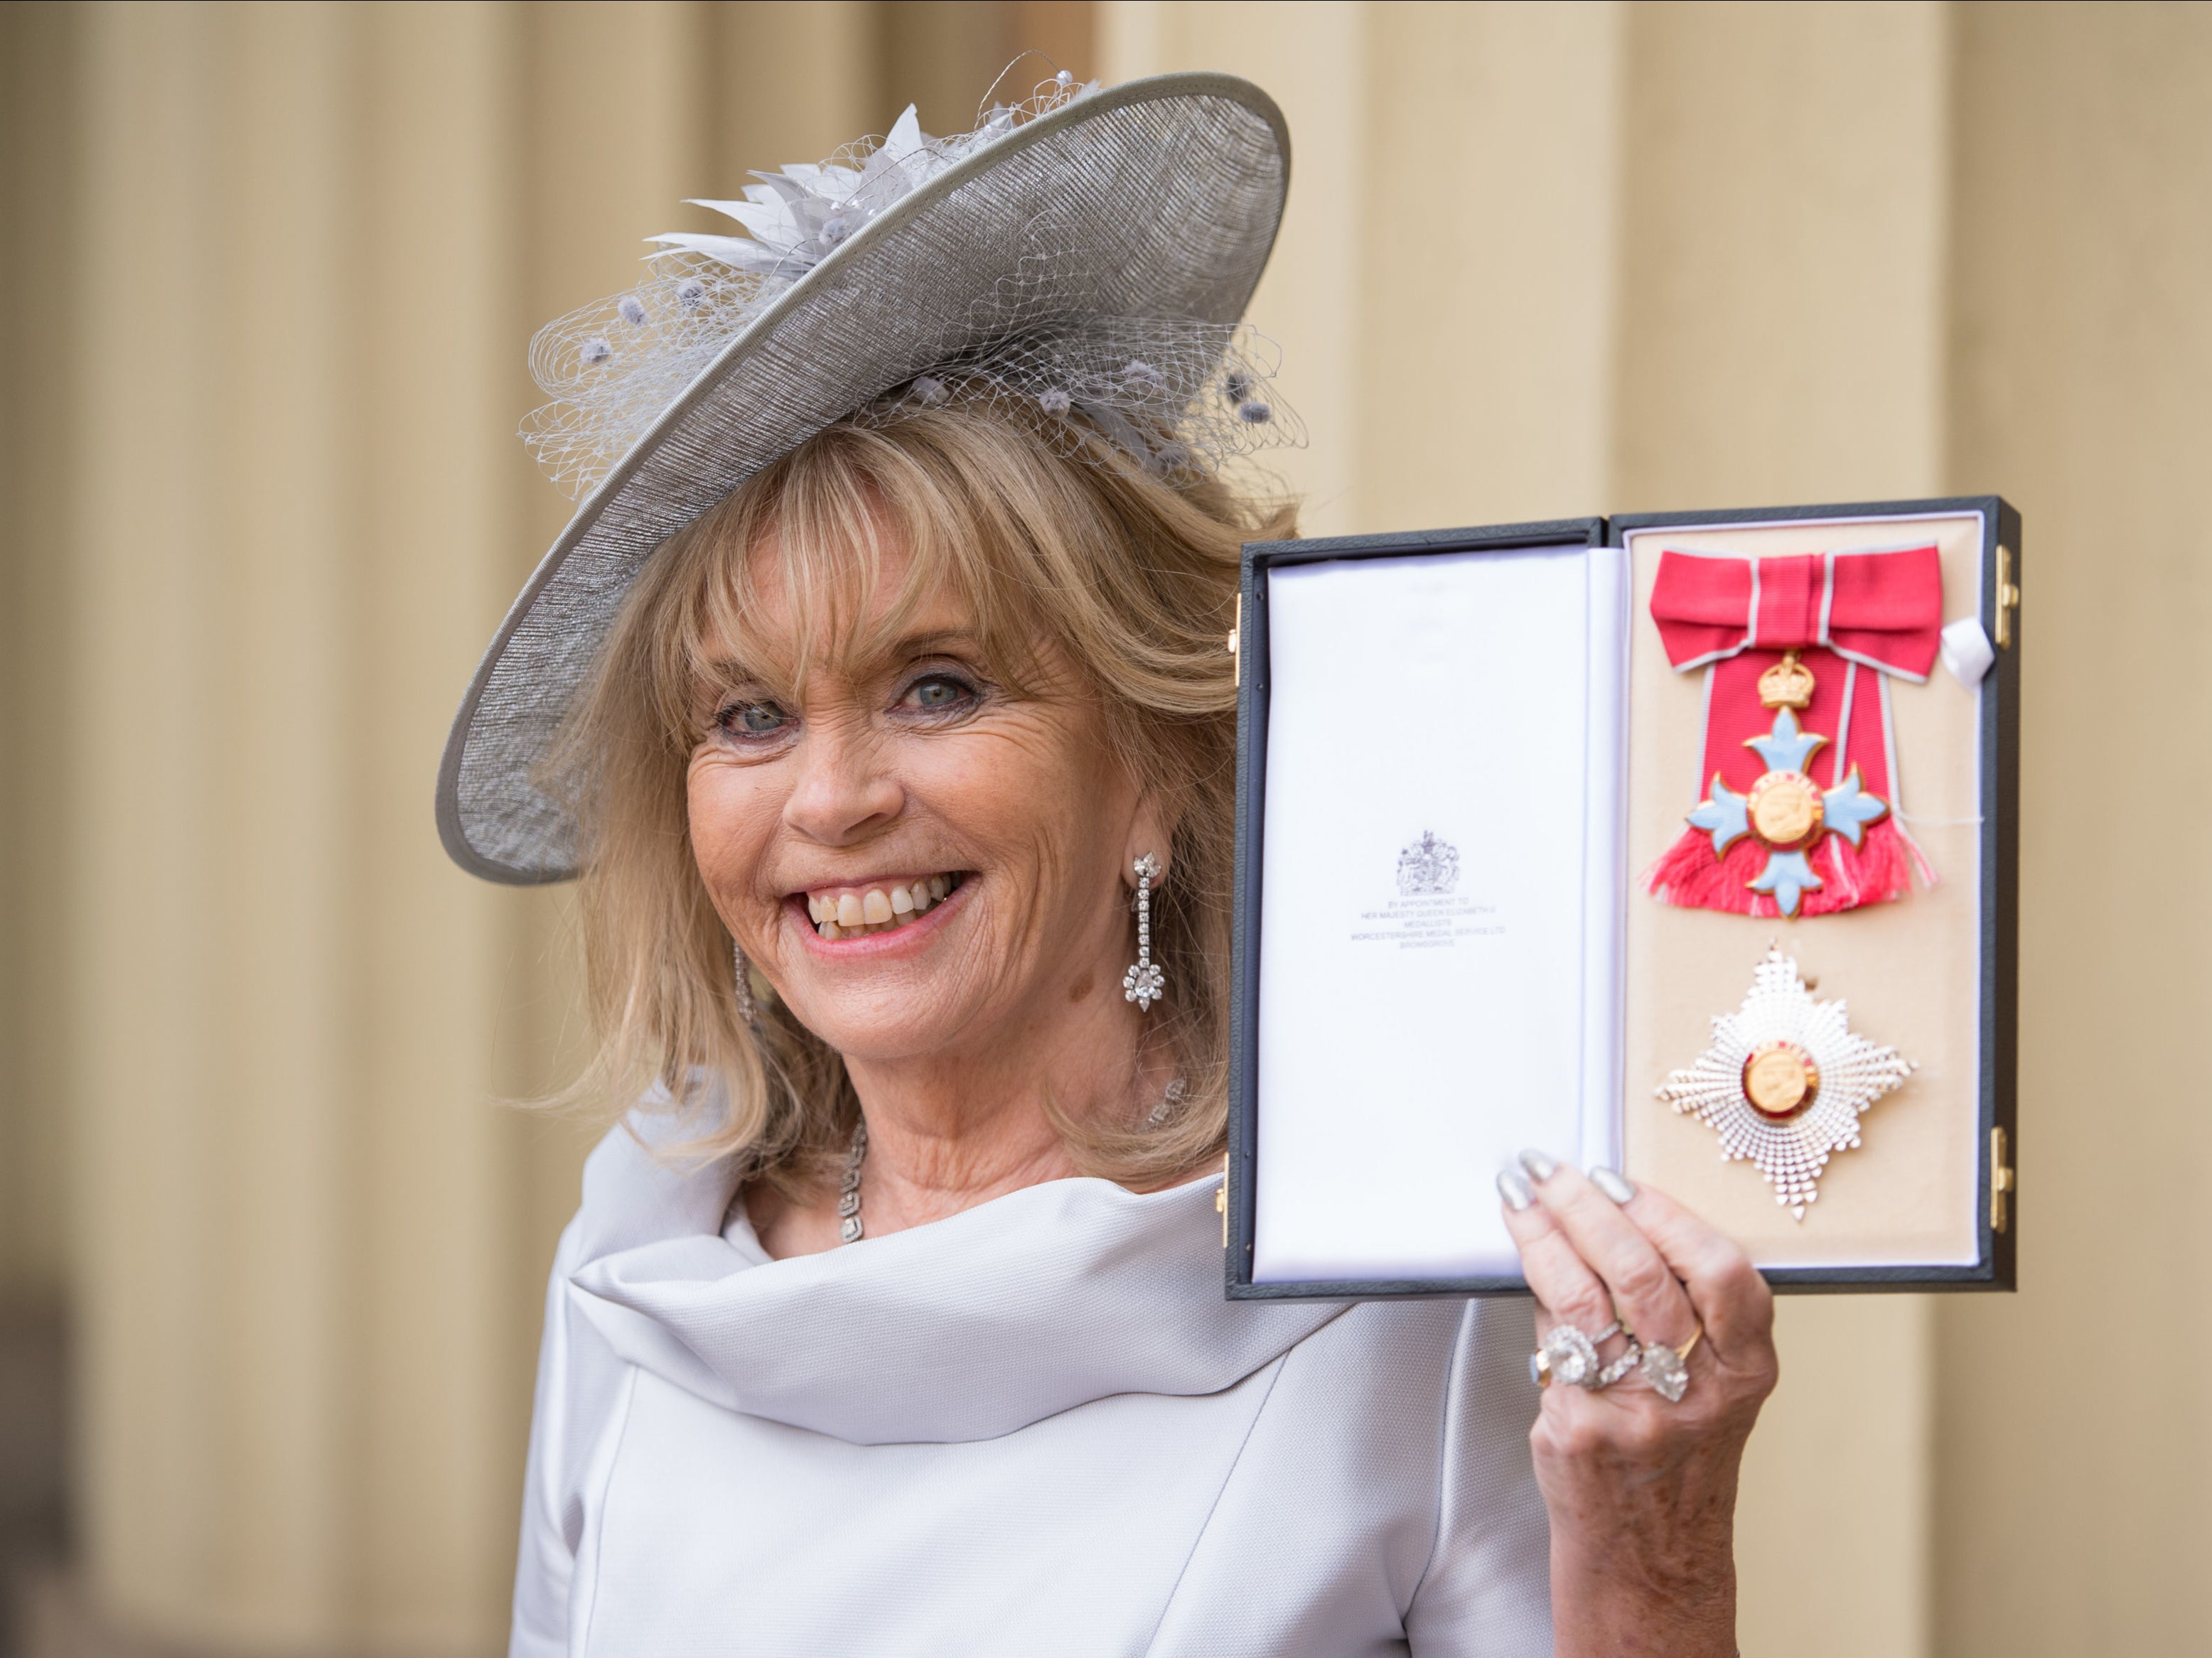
<point x="1566" y="1355"/>
<point x="1668" y="1369"/>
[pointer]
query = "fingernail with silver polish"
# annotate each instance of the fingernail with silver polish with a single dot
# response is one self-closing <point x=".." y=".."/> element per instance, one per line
<point x="1541" y="1167"/>
<point x="1612" y="1185"/>
<point x="1514" y="1191"/>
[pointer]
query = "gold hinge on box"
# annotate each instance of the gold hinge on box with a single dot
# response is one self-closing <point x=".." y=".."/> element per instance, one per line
<point x="2008" y="597"/>
<point x="2002" y="1180"/>
<point x="1236" y="677"/>
<point x="1221" y="1198"/>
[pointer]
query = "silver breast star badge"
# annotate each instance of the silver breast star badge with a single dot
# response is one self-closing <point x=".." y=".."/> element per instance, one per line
<point x="1784" y="1082"/>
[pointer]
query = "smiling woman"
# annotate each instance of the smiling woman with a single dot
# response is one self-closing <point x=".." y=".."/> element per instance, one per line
<point x="876" y="696"/>
<point x="897" y="718"/>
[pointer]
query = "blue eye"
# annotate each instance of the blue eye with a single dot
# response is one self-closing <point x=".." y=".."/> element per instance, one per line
<point x="754" y="719"/>
<point x="939" y="692"/>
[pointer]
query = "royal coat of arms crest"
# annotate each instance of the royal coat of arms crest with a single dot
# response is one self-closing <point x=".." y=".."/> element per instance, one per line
<point x="1428" y="865"/>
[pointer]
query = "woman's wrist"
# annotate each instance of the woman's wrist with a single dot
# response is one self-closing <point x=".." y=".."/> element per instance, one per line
<point x="1643" y="1554"/>
<point x="1678" y="1599"/>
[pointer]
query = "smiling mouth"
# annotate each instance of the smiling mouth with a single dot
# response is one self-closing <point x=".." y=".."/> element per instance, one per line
<point x="853" y="912"/>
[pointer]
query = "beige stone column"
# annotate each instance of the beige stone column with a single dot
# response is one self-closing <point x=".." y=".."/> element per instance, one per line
<point x="1312" y="58"/>
<point x="206" y="676"/>
<point x="2075" y="1493"/>
<point x="1443" y="286"/>
<point x="1489" y="271"/>
<point x="298" y="256"/>
<point x="36" y="279"/>
<point x="433" y="1177"/>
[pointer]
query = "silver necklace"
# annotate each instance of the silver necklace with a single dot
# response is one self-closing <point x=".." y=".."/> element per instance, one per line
<point x="848" y="1188"/>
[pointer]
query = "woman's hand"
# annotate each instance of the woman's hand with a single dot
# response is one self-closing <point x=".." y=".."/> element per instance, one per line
<point x="1642" y="1491"/>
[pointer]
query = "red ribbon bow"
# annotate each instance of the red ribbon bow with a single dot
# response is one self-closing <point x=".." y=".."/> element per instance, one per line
<point x="1841" y="612"/>
<point x="1882" y="609"/>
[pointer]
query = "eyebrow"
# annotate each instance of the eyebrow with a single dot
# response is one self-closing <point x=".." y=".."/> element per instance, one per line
<point x="925" y="644"/>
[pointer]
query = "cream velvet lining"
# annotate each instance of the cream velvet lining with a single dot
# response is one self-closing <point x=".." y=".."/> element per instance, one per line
<point x="1908" y="970"/>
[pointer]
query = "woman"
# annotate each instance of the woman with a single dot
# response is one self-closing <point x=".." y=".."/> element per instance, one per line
<point x="869" y="696"/>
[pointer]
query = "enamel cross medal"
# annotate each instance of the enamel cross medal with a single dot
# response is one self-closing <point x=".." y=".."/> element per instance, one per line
<point x="1786" y="812"/>
<point x="1799" y="767"/>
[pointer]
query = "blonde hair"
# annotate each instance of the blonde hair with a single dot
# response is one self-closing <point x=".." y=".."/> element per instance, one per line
<point x="1127" y="578"/>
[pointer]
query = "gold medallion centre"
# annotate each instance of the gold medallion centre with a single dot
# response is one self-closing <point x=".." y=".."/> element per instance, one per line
<point x="1780" y="1079"/>
<point x="1785" y="808"/>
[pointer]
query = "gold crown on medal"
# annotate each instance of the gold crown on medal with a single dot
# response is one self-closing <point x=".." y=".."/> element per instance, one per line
<point x="1787" y="684"/>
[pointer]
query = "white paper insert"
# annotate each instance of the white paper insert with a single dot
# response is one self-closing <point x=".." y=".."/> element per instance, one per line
<point x="1419" y="1026"/>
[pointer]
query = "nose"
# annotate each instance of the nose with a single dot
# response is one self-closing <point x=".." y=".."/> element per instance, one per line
<point x="844" y="793"/>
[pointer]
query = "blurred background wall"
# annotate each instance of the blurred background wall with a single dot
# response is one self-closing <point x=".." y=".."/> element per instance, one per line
<point x="270" y="1243"/>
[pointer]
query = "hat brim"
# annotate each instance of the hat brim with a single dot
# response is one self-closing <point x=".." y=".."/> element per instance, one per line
<point x="1172" y="190"/>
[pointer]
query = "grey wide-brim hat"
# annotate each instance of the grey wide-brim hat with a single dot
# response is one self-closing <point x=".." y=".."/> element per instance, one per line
<point x="1164" y="195"/>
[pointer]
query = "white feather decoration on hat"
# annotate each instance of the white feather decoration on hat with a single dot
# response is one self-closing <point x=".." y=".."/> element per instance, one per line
<point x="1172" y="394"/>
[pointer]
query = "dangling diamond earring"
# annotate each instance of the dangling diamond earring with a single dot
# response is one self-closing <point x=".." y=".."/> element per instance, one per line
<point x="745" y="978"/>
<point x="1144" y="983"/>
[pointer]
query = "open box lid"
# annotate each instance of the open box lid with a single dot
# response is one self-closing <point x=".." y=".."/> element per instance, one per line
<point x="1380" y="1078"/>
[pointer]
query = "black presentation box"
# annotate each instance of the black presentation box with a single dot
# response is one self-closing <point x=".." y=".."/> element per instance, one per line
<point x="1683" y="842"/>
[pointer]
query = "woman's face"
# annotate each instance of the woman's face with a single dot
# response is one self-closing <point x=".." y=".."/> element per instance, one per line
<point x="920" y="863"/>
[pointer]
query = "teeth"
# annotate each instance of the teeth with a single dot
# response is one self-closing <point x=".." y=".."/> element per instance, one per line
<point x="853" y="915"/>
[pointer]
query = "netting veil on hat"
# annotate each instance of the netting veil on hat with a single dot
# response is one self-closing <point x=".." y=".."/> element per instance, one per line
<point x="1088" y="254"/>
